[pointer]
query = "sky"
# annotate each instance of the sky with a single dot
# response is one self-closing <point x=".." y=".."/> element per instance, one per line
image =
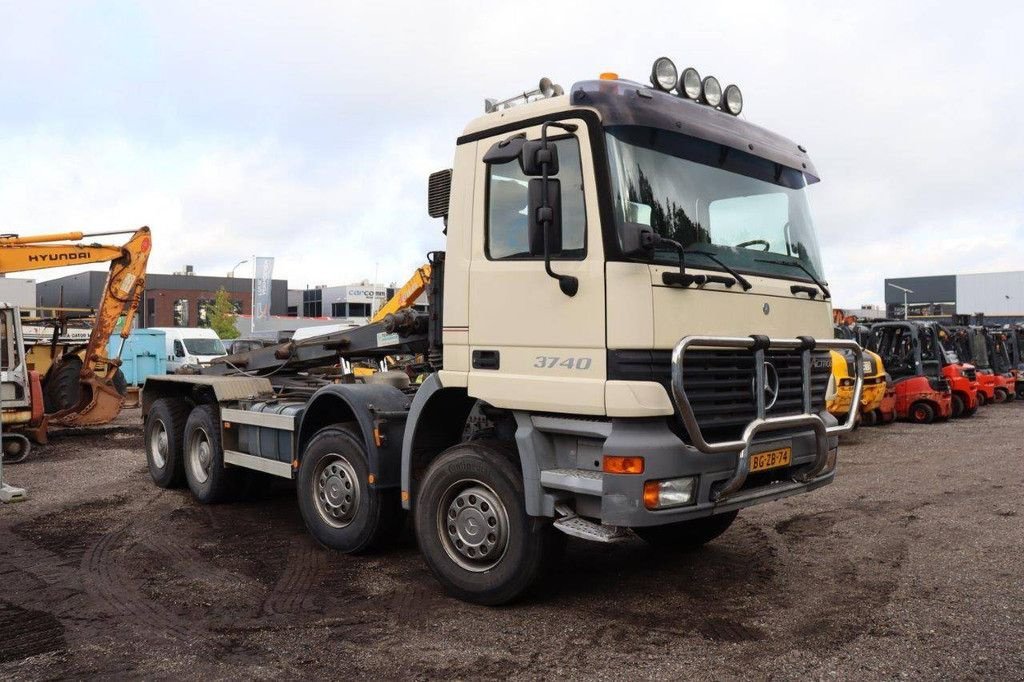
<point x="306" y="130"/>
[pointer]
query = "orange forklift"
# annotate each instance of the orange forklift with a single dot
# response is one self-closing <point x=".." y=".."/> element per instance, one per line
<point x="974" y="344"/>
<point x="912" y="359"/>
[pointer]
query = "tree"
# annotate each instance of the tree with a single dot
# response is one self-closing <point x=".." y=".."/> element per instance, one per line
<point x="222" y="316"/>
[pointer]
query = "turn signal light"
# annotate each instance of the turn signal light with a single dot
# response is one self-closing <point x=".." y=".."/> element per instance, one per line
<point x="623" y="465"/>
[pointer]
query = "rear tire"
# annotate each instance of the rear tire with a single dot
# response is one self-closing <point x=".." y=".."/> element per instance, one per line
<point x="982" y="399"/>
<point x="1001" y="395"/>
<point x="208" y="479"/>
<point x="165" y="438"/>
<point x="958" y="407"/>
<point x="869" y="418"/>
<point x="687" y="535"/>
<point x="340" y="509"/>
<point x="472" y="526"/>
<point x="922" y="413"/>
<point x="63" y="386"/>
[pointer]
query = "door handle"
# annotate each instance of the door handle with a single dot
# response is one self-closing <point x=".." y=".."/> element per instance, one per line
<point x="486" y="359"/>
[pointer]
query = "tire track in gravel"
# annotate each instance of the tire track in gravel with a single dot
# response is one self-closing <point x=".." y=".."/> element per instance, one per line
<point x="292" y="592"/>
<point x="108" y="584"/>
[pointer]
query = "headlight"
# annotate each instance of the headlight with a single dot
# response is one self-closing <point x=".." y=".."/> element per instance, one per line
<point x="673" y="492"/>
<point x="712" y="91"/>
<point x="689" y="83"/>
<point x="663" y="74"/>
<point x="733" y="100"/>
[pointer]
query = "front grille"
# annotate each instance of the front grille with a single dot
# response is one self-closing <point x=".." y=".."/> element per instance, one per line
<point x="719" y="384"/>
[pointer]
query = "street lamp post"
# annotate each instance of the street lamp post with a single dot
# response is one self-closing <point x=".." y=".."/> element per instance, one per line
<point x="906" y="309"/>
<point x="241" y="262"/>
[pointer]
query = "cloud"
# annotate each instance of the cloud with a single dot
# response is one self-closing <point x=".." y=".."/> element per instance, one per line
<point x="307" y="131"/>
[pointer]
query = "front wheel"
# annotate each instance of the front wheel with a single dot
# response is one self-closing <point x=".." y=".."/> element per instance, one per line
<point x="687" y="535"/>
<point x="472" y="526"/>
<point x="982" y="399"/>
<point x="340" y="509"/>
<point x="1001" y="395"/>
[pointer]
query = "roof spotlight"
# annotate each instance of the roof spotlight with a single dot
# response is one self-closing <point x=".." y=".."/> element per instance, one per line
<point x="712" y="90"/>
<point x="732" y="100"/>
<point x="664" y="74"/>
<point x="689" y="83"/>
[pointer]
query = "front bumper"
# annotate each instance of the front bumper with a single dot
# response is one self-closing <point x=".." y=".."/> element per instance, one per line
<point x="666" y="456"/>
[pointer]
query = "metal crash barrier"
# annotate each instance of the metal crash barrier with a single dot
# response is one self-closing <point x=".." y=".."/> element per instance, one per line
<point x="759" y="345"/>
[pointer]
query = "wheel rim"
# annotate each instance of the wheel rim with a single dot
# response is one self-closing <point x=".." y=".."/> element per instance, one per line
<point x="336" y="490"/>
<point x="920" y="414"/>
<point x="158" y="445"/>
<point x="473" y="526"/>
<point x="200" y="455"/>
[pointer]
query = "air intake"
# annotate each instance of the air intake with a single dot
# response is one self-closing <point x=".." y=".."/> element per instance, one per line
<point x="439" y="191"/>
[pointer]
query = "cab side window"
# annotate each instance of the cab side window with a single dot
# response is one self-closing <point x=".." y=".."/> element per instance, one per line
<point x="179" y="350"/>
<point x="507" y="231"/>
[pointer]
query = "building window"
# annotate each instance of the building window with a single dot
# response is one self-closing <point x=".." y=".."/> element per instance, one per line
<point x="507" y="230"/>
<point x="150" y="312"/>
<point x="337" y="310"/>
<point x="312" y="303"/>
<point x="181" y="312"/>
<point x="358" y="309"/>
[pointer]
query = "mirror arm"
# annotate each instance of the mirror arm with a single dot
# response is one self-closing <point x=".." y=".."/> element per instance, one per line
<point x="567" y="283"/>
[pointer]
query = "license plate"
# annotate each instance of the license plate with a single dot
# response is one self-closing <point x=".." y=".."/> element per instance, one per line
<point x="772" y="459"/>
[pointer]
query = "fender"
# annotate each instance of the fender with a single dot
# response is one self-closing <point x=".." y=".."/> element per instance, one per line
<point x="380" y="411"/>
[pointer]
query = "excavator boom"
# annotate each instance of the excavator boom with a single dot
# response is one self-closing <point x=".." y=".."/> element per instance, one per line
<point x="98" y="400"/>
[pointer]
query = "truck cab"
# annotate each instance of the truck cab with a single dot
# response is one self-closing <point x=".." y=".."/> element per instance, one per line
<point x="628" y="334"/>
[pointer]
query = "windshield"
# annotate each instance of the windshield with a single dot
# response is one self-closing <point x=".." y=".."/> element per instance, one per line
<point x="205" y="347"/>
<point x="712" y="198"/>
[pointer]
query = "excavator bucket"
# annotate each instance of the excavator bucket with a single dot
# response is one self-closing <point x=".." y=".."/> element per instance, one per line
<point x="100" y="402"/>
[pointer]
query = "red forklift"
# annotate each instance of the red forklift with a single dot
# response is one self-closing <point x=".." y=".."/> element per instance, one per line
<point x="912" y="357"/>
<point x="962" y="376"/>
<point x="974" y="344"/>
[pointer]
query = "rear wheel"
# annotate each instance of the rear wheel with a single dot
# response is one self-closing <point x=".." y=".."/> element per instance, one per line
<point x="687" y="535"/>
<point x="63" y="386"/>
<point x="869" y="418"/>
<point x="922" y="413"/>
<point x="472" y="526"/>
<point x="208" y="479"/>
<point x="982" y="398"/>
<point x="164" y="437"/>
<point x="340" y="509"/>
<point x="957" y="404"/>
<point x="1001" y="394"/>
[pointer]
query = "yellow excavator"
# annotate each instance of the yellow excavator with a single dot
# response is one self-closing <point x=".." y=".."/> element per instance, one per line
<point x="87" y="388"/>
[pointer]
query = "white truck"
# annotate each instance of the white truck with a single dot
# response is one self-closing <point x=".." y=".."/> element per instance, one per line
<point x="190" y="346"/>
<point x="628" y="334"/>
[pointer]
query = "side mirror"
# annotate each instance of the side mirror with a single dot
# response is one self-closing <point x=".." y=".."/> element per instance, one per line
<point x="506" y="150"/>
<point x="538" y="215"/>
<point x="535" y="154"/>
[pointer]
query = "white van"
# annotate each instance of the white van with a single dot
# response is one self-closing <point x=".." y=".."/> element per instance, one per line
<point x="190" y="346"/>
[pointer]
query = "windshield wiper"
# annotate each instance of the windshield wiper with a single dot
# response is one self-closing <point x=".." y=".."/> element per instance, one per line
<point x="797" y="264"/>
<point x="747" y="286"/>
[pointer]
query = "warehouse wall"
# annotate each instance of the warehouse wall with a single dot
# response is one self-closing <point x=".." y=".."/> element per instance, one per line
<point x="992" y="293"/>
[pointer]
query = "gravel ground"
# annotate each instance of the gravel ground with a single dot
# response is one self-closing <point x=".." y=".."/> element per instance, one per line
<point x="908" y="566"/>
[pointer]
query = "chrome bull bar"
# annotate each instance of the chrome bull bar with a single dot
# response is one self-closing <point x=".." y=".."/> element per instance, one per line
<point x="759" y="345"/>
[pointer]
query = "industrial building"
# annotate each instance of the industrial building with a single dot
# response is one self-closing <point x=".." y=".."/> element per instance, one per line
<point x="178" y="300"/>
<point x="998" y="297"/>
<point x="348" y="301"/>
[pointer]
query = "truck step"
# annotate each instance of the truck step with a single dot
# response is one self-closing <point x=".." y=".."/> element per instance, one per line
<point x="578" y="527"/>
<point x="574" y="480"/>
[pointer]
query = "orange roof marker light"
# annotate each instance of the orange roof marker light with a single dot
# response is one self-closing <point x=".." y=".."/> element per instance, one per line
<point x="609" y="76"/>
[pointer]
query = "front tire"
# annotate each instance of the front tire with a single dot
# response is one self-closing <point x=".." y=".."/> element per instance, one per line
<point x="165" y="438"/>
<point x="982" y="399"/>
<point x="472" y="526"/>
<point x="687" y="535"/>
<point x="1001" y="395"/>
<point x="340" y="509"/>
